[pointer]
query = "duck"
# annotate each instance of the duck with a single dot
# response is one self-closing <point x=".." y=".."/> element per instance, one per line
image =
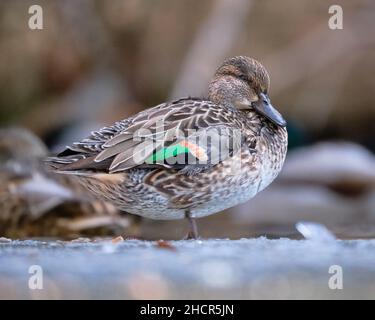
<point x="189" y="157"/>
<point x="35" y="202"/>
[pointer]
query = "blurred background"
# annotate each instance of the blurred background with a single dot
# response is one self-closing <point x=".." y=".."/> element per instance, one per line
<point x="96" y="62"/>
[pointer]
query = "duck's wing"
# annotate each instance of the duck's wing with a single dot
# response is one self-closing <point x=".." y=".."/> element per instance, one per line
<point x="185" y="132"/>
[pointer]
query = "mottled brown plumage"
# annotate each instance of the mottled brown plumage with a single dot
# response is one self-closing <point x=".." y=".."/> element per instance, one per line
<point x="236" y="146"/>
<point x="35" y="202"/>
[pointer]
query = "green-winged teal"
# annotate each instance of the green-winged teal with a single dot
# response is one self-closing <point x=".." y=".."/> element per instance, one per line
<point x="189" y="157"/>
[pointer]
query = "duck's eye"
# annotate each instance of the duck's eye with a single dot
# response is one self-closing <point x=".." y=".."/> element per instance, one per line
<point x="243" y="77"/>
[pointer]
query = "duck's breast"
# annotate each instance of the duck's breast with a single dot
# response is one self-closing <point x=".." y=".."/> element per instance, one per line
<point x="272" y="148"/>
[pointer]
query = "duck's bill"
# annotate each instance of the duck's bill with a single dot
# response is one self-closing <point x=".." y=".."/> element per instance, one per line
<point x="265" y="108"/>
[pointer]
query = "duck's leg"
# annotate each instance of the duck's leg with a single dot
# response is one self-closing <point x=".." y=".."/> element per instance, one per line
<point x="193" y="232"/>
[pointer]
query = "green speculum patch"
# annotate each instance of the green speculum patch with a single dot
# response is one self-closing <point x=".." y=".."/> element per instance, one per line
<point x="166" y="153"/>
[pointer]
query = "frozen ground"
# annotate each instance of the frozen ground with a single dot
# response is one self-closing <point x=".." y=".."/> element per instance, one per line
<point x="192" y="269"/>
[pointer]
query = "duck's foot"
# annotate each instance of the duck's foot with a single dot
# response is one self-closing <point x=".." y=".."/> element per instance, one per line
<point x="193" y="232"/>
<point x="190" y="236"/>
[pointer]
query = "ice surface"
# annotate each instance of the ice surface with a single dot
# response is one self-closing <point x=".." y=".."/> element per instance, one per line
<point x="208" y="268"/>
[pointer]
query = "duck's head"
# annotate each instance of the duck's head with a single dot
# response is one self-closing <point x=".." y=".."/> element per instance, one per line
<point x="243" y="82"/>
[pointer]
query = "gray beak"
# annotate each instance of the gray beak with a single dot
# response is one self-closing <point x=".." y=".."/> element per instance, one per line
<point x="265" y="108"/>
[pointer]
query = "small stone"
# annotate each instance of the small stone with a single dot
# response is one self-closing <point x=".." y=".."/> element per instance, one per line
<point x="81" y="240"/>
<point x="117" y="239"/>
<point x="5" y="240"/>
<point x="165" y="245"/>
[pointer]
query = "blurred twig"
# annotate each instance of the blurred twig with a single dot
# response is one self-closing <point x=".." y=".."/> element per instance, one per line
<point x="317" y="50"/>
<point x="101" y="88"/>
<point x="213" y="41"/>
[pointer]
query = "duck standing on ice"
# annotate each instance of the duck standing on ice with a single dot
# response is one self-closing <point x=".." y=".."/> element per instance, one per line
<point x="189" y="157"/>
